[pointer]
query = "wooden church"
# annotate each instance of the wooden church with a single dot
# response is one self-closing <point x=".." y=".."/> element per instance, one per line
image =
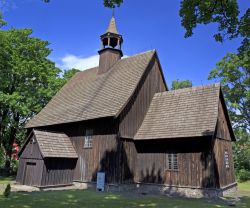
<point x="121" y="119"/>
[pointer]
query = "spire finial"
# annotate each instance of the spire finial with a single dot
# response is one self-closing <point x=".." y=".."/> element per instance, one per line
<point x="113" y="12"/>
<point x="112" y="25"/>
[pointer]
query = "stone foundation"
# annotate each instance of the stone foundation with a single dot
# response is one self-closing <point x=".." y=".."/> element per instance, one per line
<point x="179" y="191"/>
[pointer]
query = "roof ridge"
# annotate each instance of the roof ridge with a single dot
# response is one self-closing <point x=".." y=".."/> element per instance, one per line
<point x="49" y="131"/>
<point x="139" y="54"/>
<point x="88" y="95"/>
<point x="188" y="89"/>
<point x="89" y="69"/>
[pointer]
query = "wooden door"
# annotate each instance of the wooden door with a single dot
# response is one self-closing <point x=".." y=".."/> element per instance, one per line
<point x="30" y="174"/>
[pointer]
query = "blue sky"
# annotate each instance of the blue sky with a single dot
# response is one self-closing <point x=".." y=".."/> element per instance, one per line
<point x="73" y="29"/>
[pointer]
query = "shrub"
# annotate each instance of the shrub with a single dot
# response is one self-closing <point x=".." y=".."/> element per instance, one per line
<point x="2" y="157"/>
<point x="243" y="175"/>
<point x="7" y="190"/>
<point x="14" y="167"/>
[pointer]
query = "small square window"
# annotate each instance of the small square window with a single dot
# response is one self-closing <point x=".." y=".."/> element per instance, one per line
<point x="172" y="161"/>
<point x="226" y="158"/>
<point x="88" y="140"/>
<point x="32" y="140"/>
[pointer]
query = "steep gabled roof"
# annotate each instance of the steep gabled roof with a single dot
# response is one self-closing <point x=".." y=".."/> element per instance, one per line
<point x="89" y="95"/>
<point x="186" y="112"/>
<point x="54" y="144"/>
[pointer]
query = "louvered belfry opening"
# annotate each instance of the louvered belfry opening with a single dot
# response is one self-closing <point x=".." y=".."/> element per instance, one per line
<point x="110" y="51"/>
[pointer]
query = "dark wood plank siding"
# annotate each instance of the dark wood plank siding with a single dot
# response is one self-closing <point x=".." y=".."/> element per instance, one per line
<point x="222" y="144"/>
<point x="133" y="114"/>
<point x="222" y="127"/>
<point x="104" y="154"/>
<point x="31" y="150"/>
<point x="27" y="174"/>
<point x="225" y="176"/>
<point x="128" y="161"/>
<point x="195" y="164"/>
<point x="108" y="57"/>
<point x="30" y="176"/>
<point x="58" y="171"/>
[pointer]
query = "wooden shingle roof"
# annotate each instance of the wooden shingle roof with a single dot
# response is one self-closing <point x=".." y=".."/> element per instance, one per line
<point x="55" y="144"/>
<point x="186" y="112"/>
<point x="89" y="95"/>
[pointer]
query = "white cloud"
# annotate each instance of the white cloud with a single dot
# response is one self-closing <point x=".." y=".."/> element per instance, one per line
<point x="70" y="61"/>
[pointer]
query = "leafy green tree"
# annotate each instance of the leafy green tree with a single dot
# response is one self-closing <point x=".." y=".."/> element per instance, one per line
<point x="233" y="70"/>
<point x="2" y="22"/>
<point x="223" y="12"/>
<point x="106" y="3"/>
<point x="179" y="84"/>
<point x="112" y="3"/>
<point x="242" y="155"/>
<point x="28" y="80"/>
<point x="68" y="74"/>
<point x="234" y="75"/>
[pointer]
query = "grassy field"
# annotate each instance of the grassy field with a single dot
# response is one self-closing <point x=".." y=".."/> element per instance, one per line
<point x="6" y="180"/>
<point x="86" y="198"/>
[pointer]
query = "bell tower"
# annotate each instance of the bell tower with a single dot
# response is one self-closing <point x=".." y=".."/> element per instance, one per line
<point x="111" y="45"/>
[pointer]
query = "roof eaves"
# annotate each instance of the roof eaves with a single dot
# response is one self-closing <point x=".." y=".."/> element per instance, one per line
<point x="229" y="123"/>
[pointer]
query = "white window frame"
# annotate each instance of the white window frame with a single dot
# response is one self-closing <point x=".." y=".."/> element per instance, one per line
<point x="172" y="161"/>
<point x="226" y="159"/>
<point x="88" y="138"/>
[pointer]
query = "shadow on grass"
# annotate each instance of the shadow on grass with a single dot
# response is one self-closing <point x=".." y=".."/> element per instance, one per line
<point x="78" y="198"/>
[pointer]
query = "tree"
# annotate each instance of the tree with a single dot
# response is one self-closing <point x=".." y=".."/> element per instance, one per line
<point x="106" y="3"/>
<point x="242" y="155"/>
<point x="112" y="3"/>
<point x="223" y="12"/>
<point x="233" y="71"/>
<point x="28" y="81"/>
<point x="68" y="74"/>
<point x="2" y="22"/>
<point x="179" y="84"/>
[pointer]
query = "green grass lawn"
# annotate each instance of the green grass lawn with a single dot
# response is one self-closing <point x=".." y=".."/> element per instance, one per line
<point x="244" y="188"/>
<point x="92" y="199"/>
<point x="6" y="180"/>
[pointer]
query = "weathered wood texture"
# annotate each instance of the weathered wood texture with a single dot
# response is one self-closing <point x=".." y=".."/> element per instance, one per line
<point x="37" y="171"/>
<point x="133" y="114"/>
<point x="222" y="144"/>
<point x="30" y="164"/>
<point x="222" y="127"/>
<point x="224" y="175"/>
<point x="31" y="150"/>
<point x="102" y="156"/>
<point x="30" y="171"/>
<point x="108" y="57"/>
<point x="128" y="161"/>
<point x="58" y="171"/>
<point x="195" y="164"/>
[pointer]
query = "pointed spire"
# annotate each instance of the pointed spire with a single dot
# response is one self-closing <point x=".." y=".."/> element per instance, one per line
<point x="112" y="25"/>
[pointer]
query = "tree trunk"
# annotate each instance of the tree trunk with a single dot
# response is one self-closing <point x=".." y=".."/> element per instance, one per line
<point x="11" y="140"/>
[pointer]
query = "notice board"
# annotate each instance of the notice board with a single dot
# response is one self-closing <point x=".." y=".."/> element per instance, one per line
<point x="100" y="183"/>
